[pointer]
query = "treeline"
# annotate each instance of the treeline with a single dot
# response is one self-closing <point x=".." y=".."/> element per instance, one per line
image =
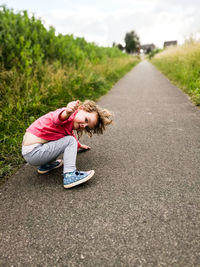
<point x="24" y="41"/>
<point x="41" y="71"/>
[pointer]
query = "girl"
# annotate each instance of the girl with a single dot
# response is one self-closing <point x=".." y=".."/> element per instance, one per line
<point x="52" y="134"/>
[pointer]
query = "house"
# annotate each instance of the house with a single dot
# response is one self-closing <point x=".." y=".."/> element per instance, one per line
<point x="147" y="48"/>
<point x="169" y="43"/>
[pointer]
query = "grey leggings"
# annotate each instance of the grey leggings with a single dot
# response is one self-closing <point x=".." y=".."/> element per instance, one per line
<point x="48" y="152"/>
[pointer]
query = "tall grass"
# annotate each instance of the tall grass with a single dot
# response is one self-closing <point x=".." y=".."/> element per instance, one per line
<point x="181" y="65"/>
<point x="40" y="72"/>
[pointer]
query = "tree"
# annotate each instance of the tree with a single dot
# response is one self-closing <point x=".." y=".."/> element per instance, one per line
<point x="132" y="42"/>
<point x="119" y="46"/>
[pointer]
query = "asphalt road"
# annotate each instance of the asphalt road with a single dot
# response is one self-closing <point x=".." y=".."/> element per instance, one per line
<point x="142" y="207"/>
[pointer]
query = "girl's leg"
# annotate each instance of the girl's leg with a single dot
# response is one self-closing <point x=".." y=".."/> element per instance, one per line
<point x="48" y="152"/>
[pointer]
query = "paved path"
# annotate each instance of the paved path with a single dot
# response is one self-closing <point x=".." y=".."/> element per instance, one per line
<point x="142" y="208"/>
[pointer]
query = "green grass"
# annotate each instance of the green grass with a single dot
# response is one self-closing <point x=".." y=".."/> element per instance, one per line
<point x="24" y="98"/>
<point x="182" y="66"/>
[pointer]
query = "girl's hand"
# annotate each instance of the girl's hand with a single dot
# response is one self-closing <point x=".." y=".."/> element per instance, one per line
<point x="72" y="107"/>
<point x="84" y="147"/>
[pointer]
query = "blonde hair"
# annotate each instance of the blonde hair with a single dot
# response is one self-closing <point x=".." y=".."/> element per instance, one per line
<point x="104" y="118"/>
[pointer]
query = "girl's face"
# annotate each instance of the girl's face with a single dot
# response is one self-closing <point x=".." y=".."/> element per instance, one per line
<point x="85" y="119"/>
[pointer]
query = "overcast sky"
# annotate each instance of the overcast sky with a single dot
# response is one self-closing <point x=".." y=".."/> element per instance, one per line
<point x="107" y="21"/>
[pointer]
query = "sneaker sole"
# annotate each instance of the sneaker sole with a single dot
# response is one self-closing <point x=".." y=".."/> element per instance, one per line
<point x="43" y="172"/>
<point x="80" y="181"/>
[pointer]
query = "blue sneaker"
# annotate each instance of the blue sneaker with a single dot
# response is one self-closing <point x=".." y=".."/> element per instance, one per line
<point x="74" y="178"/>
<point x="50" y="166"/>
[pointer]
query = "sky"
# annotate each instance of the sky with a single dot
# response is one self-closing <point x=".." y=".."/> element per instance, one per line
<point x="106" y="21"/>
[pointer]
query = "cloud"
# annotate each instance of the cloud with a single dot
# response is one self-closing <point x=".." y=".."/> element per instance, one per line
<point x="86" y="22"/>
<point x="107" y="21"/>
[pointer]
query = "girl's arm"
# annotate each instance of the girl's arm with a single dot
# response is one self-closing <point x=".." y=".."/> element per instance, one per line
<point x="64" y="115"/>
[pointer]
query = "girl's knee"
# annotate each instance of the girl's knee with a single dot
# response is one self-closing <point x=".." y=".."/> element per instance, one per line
<point x="71" y="140"/>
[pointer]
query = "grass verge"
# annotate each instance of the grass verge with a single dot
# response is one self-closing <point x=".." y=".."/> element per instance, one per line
<point x="182" y="66"/>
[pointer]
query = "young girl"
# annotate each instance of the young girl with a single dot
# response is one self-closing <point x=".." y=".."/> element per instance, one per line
<point x="52" y="134"/>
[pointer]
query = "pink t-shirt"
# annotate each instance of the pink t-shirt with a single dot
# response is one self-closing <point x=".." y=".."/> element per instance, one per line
<point x="50" y="128"/>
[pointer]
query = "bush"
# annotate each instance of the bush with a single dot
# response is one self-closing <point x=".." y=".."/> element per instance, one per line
<point x="25" y="42"/>
<point x="154" y="52"/>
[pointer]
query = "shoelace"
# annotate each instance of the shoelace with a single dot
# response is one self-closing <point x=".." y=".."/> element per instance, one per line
<point x="78" y="173"/>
